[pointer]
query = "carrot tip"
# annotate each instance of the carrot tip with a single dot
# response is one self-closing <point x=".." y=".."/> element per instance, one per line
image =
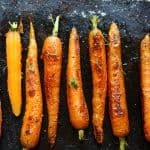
<point x="52" y="146"/>
<point x="81" y="135"/>
<point x="13" y="26"/>
<point x="123" y="143"/>
<point x="25" y="148"/>
<point x="20" y="26"/>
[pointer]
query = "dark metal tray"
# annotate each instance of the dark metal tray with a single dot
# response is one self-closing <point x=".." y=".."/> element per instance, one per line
<point x="133" y="19"/>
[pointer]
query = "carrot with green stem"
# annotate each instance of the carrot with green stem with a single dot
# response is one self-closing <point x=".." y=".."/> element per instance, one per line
<point x="13" y="57"/>
<point x="52" y="56"/>
<point x="97" y="55"/>
<point x="78" y="111"/>
<point x="116" y="88"/>
<point x="32" y="120"/>
<point x="145" y="83"/>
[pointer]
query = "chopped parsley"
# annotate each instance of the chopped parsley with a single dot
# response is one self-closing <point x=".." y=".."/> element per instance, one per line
<point x="74" y="83"/>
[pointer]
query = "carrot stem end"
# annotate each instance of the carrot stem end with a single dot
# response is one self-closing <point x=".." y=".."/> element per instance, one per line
<point x="94" y="21"/>
<point x="56" y="26"/>
<point x="123" y="143"/>
<point x="13" y="26"/>
<point x="81" y="135"/>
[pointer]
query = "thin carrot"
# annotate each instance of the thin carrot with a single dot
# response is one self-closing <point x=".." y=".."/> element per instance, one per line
<point x="32" y="120"/>
<point x="13" y="56"/>
<point x="99" y="78"/>
<point x="77" y="107"/>
<point x="52" y="56"/>
<point x="145" y="83"/>
<point x="116" y="89"/>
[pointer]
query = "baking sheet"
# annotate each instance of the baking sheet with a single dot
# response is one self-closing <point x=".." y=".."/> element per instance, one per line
<point x="133" y="19"/>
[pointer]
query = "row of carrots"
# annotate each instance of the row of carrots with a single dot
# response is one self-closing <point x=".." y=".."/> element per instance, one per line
<point x="106" y="76"/>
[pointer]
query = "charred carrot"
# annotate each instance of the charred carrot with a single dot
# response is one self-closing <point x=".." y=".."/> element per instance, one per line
<point x="145" y="83"/>
<point x="99" y="78"/>
<point x="52" y="56"/>
<point x="116" y="88"/>
<point x="32" y="120"/>
<point x="13" y="56"/>
<point x="0" y="120"/>
<point x="78" y="111"/>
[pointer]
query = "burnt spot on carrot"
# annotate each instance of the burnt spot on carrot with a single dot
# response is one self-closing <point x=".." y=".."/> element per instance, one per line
<point x="31" y="93"/>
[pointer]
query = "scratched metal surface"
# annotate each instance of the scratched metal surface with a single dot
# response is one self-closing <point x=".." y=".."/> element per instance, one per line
<point x="133" y="19"/>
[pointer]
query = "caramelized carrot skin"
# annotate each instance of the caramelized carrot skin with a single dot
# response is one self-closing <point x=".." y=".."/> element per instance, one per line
<point x="30" y="131"/>
<point x="13" y="55"/>
<point x="145" y="83"/>
<point x="116" y="88"/>
<point x="99" y="80"/>
<point x="0" y="120"/>
<point x="52" y="56"/>
<point x="77" y="107"/>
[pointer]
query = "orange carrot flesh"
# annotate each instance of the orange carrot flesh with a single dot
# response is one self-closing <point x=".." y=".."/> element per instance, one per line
<point x="13" y="56"/>
<point x="77" y="107"/>
<point x="145" y="83"/>
<point x="52" y="56"/>
<point x="116" y="88"/>
<point x="99" y="79"/>
<point x="30" y="131"/>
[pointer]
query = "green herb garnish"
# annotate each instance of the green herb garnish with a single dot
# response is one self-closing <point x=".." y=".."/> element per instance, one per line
<point x="74" y="83"/>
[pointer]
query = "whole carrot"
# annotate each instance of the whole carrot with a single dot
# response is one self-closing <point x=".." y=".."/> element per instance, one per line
<point x="145" y="83"/>
<point x="116" y="89"/>
<point x="32" y="120"/>
<point x="99" y="78"/>
<point x="52" y="56"/>
<point x="13" y="57"/>
<point x="77" y="106"/>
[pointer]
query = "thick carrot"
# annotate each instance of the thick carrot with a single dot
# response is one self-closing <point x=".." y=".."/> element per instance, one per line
<point x="116" y="88"/>
<point x="145" y="83"/>
<point x="13" y="56"/>
<point x="52" y="56"/>
<point x="30" y="131"/>
<point x="77" y="107"/>
<point x="99" y="78"/>
<point x="0" y="119"/>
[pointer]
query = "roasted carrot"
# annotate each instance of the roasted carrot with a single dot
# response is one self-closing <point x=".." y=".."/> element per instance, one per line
<point x="145" y="83"/>
<point x="52" y="56"/>
<point x="78" y="111"/>
<point x="99" y="78"/>
<point x="13" y="56"/>
<point x="32" y="120"/>
<point x="116" y="88"/>
<point x="0" y="120"/>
